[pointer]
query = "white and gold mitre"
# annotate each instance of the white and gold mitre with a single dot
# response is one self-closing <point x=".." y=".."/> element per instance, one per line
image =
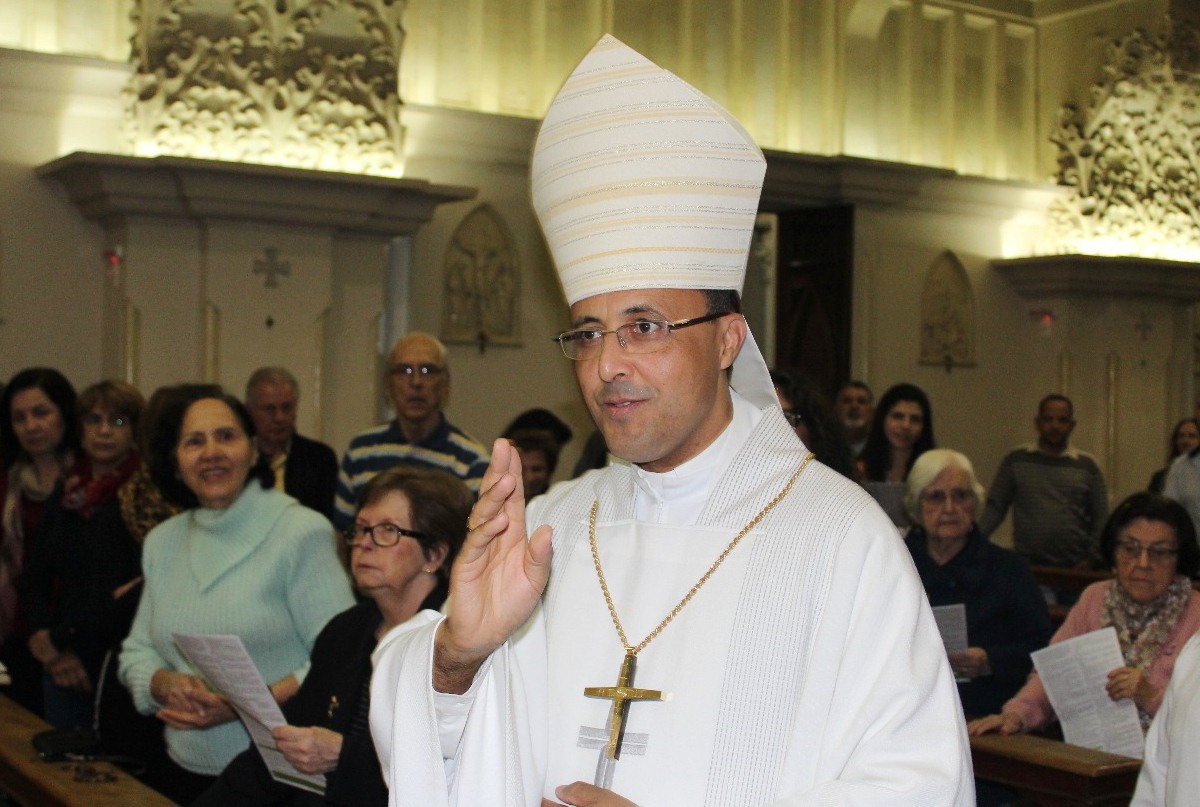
<point x="641" y="181"/>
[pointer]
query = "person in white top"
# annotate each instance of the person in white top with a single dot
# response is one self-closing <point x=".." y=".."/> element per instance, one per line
<point x="714" y="618"/>
<point x="1170" y="776"/>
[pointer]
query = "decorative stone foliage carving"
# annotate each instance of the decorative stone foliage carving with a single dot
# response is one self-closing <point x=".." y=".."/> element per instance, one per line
<point x="1130" y="159"/>
<point x="947" y="315"/>
<point x="302" y="83"/>
<point x="482" y="282"/>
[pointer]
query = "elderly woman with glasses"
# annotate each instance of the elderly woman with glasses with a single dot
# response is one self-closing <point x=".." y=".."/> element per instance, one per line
<point x="1006" y="612"/>
<point x="409" y="525"/>
<point x="1150" y="542"/>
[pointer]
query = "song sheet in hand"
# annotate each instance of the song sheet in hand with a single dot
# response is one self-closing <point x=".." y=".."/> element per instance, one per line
<point x="228" y="668"/>
<point x="1074" y="673"/>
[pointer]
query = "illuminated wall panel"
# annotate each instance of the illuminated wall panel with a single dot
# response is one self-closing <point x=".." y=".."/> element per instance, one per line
<point x="1017" y="125"/>
<point x="933" y="87"/>
<point x="975" y="96"/>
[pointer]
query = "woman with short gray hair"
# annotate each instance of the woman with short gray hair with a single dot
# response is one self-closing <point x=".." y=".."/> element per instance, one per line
<point x="1006" y="612"/>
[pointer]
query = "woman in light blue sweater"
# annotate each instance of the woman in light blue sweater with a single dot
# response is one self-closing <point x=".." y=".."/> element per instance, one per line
<point x="244" y="559"/>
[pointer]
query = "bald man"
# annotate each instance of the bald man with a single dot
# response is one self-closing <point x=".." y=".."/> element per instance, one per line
<point x="417" y="382"/>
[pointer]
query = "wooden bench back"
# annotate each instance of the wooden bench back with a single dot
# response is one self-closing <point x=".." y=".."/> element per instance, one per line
<point x="34" y="783"/>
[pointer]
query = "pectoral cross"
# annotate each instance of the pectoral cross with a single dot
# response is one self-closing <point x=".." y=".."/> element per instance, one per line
<point x="621" y="695"/>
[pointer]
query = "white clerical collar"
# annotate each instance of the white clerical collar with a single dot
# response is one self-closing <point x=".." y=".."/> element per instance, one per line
<point x="677" y="497"/>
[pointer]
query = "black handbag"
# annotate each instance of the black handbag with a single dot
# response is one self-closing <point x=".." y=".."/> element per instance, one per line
<point x="57" y="745"/>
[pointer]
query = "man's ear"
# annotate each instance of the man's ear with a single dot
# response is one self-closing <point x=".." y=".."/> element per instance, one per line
<point x="733" y="335"/>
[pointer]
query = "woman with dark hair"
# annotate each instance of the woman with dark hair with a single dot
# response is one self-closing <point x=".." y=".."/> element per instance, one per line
<point x="407" y="529"/>
<point x="811" y="417"/>
<point x="243" y="559"/>
<point x="79" y="589"/>
<point x="38" y="439"/>
<point x="1185" y="438"/>
<point x="1150" y="543"/>
<point x="901" y="431"/>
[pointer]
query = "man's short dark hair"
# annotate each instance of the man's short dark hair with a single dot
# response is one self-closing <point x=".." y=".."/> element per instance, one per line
<point x="1056" y="396"/>
<point x="271" y="375"/>
<point x="722" y="300"/>
<point x="854" y="383"/>
<point x="536" y="440"/>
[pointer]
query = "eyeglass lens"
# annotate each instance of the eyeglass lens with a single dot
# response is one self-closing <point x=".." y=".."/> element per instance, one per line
<point x="1131" y="549"/>
<point x="410" y="370"/>
<point x="383" y="535"/>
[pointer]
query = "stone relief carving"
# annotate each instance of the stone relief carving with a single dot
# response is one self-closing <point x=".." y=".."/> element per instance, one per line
<point x="302" y="83"/>
<point x="482" y="282"/>
<point x="947" y="315"/>
<point x="1130" y="159"/>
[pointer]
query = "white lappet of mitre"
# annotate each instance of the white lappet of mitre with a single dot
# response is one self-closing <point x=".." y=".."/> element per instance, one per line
<point x="642" y="181"/>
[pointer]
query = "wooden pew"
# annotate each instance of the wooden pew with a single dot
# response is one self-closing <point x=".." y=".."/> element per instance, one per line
<point x="1050" y="773"/>
<point x="33" y="783"/>
<point x="1068" y="580"/>
<point x="1072" y="580"/>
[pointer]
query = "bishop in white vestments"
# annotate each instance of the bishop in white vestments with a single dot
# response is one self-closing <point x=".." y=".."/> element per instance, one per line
<point x="715" y="619"/>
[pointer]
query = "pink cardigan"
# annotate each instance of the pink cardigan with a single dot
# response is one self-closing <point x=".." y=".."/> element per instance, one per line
<point x="1031" y="702"/>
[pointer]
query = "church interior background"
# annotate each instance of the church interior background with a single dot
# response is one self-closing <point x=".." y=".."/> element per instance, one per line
<point x="993" y="199"/>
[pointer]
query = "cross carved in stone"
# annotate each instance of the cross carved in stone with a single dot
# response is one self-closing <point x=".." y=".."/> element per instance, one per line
<point x="271" y="266"/>
<point x="1143" y="327"/>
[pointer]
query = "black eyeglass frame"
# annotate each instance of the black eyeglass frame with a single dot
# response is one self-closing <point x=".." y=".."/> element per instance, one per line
<point x="567" y="336"/>
<point x="353" y="532"/>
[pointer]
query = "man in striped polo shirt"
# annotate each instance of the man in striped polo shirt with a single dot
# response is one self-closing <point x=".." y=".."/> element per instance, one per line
<point x="417" y="381"/>
<point x="1056" y="491"/>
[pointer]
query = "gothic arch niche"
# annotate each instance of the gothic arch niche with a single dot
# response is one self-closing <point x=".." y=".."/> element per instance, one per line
<point x="947" y="315"/>
<point x="482" y="282"/>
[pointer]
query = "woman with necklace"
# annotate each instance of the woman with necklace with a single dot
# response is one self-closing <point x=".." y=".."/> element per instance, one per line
<point x="38" y="440"/>
<point x="1150" y="542"/>
<point x="80" y="585"/>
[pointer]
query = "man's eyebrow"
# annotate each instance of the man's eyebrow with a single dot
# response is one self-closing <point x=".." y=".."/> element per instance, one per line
<point x="588" y="320"/>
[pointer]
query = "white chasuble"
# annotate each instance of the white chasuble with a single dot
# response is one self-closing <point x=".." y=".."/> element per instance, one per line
<point x="807" y="671"/>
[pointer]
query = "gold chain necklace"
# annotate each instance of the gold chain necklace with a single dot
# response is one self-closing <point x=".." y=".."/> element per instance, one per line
<point x="633" y="650"/>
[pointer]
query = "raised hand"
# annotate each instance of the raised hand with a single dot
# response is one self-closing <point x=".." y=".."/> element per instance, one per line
<point x="497" y="578"/>
<point x="309" y="750"/>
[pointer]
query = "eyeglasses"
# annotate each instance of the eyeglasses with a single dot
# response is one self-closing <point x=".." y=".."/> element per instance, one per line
<point x="116" y="421"/>
<point x="411" y="370"/>
<point x="388" y="534"/>
<point x="1129" y="549"/>
<point x="793" y="417"/>
<point x="956" y="496"/>
<point x="640" y="336"/>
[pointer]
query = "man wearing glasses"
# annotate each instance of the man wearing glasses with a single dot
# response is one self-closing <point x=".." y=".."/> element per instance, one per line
<point x="417" y="382"/>
<point x="713" y="619"/>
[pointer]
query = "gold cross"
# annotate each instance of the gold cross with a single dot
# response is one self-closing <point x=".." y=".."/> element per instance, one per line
<point x="621" y="695"/>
